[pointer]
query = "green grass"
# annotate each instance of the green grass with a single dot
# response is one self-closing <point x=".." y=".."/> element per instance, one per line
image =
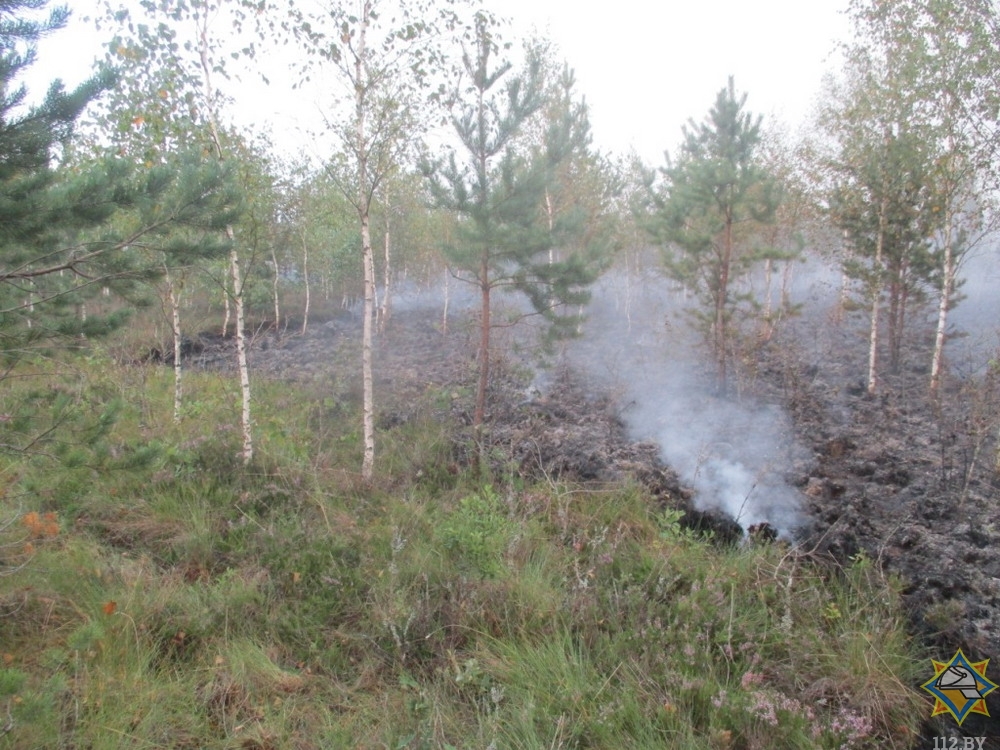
<point x="187" y="602"/>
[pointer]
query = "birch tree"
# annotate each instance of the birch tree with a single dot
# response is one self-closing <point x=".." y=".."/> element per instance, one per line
<point x="930" y="72"/>
<point x="380" y="53"/>
<point x="184" y="39"/>
<point x="951" y="50"/>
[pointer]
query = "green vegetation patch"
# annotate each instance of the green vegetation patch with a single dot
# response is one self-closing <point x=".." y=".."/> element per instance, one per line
<point x="189" y="602"/>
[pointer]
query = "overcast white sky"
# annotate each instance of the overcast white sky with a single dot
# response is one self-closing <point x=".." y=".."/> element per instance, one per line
<point x="645" y="67"/>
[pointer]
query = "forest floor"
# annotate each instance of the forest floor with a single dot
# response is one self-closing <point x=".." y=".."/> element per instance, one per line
<point x="907" y="480"/>
<point x="577" y="592"/>
<point x="910" y="479"/>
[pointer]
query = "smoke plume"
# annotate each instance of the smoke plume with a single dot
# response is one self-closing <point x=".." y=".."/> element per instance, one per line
<point x="732" y="451"/>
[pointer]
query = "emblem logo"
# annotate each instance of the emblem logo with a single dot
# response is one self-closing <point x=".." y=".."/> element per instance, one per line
<point x="959" y="687"/>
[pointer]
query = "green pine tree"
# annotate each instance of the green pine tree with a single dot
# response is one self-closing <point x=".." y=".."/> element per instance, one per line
<point x="75" y="226"/>
<point x="78" y="227"/>
<point x="716" y="196"/>
<point x="499" y="189"/>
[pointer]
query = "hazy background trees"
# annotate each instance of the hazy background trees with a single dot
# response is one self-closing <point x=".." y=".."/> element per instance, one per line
<point x="510" y="193"/>
<point x="913" y="124"/>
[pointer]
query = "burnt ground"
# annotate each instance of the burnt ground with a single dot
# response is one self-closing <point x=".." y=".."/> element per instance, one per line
<point x="907" y="480"/>
<point x="570" y="431"/>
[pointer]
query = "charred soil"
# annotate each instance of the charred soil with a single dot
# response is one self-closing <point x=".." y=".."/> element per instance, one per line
<point x="904" y="477"/>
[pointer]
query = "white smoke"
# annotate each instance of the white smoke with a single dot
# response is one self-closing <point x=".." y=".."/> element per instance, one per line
<point x="975" y="322"/>
<point x="733" y="453"/>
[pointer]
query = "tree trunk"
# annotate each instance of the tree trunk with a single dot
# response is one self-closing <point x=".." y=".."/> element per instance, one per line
<point x="225" y="304"/>
<point x="894" y="296"/>
<point x="897" y="314"/>
<point x="241" y="352"/>
<point x="175" y="324"/>
<point x="368" y="258"/>
<point x="368" y="407"/>
<point x="447" y="289"/>
<point x="305" y="278"/>
<point x="873" y="344"/>
<point x="236" y="278"/>
<point x="876" y="297"/>
<point x="484" y="364"/>
<point x="234" y="264"/>
<point x="721" y="294"/>
<point x="628" y="292"/>
<point x="384" y="310"/>
<point x="274" y="294"/>
<point x="944" y="302"/>
<point x="786" y="289"/>
<point x="550" y="216"/>
<point x="768" y="311"/>
<point x="904" y="298"/>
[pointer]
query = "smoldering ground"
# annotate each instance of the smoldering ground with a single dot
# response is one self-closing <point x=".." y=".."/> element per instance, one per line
<point x="738" y="453"/>
<point x="735" y="452"/>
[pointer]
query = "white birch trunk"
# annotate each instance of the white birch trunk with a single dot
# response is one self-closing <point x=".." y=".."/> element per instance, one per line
<point x="944" y="301"/>
<point x="274" y="294"/>
<point x="225" y="304"/>
<point x="368" y="407"/>
<point x="384" y="310"/>
<point x="876" y="299"/>
<point x="234" y="265"/>
<point x="175" y="324"/>
<point x="873" y="344"/>
<point x="241" y="353"/>
<point x="305" y="275"/>
<point x="368" y="260"/>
